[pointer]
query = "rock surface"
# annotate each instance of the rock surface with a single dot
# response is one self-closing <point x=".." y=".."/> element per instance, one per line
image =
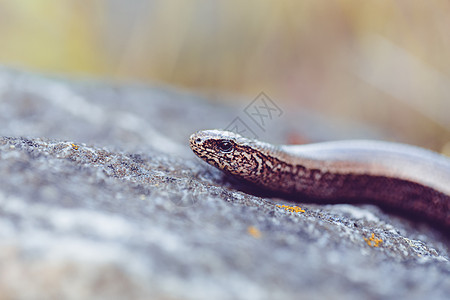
<point x="101" y="198"/>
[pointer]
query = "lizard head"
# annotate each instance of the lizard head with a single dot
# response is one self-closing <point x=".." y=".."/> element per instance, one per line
<point x="228" y="151"/>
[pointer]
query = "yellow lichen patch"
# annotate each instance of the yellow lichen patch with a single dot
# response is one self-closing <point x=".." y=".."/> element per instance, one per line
<point x="372" y="241"/>
<point x="75" y="146"/>
<point x="254" y="232"/>
<point x="291" y="208"/>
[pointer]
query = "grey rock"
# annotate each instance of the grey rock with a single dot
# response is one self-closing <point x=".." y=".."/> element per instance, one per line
<point x="101" y="198"/>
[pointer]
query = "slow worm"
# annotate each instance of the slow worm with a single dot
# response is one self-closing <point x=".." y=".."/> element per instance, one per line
<point x="406" y="178"/>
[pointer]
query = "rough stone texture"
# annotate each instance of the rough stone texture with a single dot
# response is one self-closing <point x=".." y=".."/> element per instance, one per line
<point x="101" y="198"/>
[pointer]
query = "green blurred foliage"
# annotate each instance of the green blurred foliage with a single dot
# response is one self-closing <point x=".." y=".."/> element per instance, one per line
<point x="378" y="61"/>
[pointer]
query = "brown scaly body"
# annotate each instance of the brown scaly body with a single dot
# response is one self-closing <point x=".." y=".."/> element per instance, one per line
<point x="407" y="178"/>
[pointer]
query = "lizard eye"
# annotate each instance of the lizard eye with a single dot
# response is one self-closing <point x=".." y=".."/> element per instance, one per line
<point x="225" y="146"/>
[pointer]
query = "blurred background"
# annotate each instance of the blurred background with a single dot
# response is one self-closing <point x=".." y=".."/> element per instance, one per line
<point x="376" y="62"/>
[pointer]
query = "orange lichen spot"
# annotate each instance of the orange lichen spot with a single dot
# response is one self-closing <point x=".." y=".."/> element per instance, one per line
<point x="372" y="241"/>
<point x="75" y="146"/>
<point x="291" y="208"/>
<point x="254" y="232"/>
